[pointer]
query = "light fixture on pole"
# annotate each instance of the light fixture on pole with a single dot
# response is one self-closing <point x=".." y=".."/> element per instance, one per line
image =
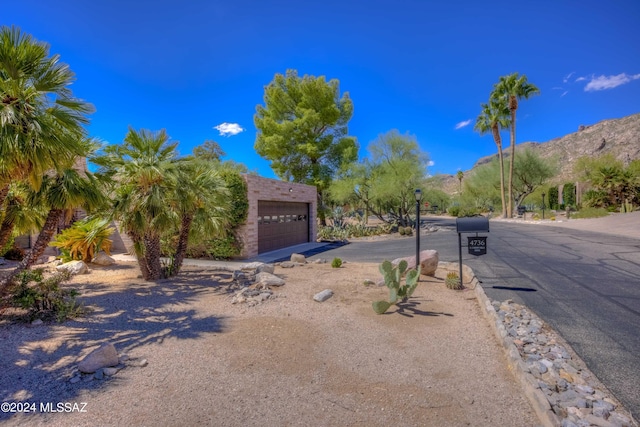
<point x="543" y="205"/>
<point x="418" y="195"/>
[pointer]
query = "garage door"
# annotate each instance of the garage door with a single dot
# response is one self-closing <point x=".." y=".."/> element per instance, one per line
<point x="282" y="224"/>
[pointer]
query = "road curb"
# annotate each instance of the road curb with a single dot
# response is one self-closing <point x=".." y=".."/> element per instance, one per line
<point x="536" y="397"/>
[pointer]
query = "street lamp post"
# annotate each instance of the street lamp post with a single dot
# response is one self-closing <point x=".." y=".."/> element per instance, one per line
<point x="543" y="205"/>
<point x="418" y="195"/>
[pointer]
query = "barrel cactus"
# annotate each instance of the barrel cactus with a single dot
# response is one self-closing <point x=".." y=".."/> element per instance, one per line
<point x="392" y="279"/>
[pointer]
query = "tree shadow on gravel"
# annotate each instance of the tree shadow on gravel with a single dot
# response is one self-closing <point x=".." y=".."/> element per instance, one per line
<point x="37" y="362"/>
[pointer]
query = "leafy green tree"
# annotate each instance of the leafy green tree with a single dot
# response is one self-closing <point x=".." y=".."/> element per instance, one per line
<point x="386" y="182"/>
<point x="494" y="117"/>
<point x="209" y="150"/>
<point x="41" y="122"/>
<point x="530" y="173"/>
<point x="512" y="88"/>
<point x="302" y="130"/>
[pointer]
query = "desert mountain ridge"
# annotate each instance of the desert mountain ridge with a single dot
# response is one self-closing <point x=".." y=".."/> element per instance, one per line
<point x="619" y="137"/>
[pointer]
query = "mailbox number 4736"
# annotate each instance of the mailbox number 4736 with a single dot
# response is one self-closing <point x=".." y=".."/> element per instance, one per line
<point x="477" y="242"/>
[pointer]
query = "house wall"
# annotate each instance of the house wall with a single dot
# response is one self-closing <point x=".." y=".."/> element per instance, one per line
<point x="259" y="188"/>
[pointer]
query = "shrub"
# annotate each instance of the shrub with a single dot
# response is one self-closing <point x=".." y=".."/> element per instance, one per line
<point x="590" y="213"/>
<point x="223" y="248"/>
<point x="401" y="231"/>
<point x="336" y="263"/>
<point x="43" y="297"/>
<point x="84" y="239"/>
<point x="454" y="211"/>
<point x="408" y="231"/>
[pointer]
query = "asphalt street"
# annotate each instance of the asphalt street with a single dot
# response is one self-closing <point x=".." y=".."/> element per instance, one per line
<point x="585" y="284"/>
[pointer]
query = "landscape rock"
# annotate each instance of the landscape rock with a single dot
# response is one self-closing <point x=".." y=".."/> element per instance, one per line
<point x="323" y="296"/>
<point x="569" y="389"/>
<point x="299" y="258"/>
<point x="37" y="322"/>
<point x="428" y="262"/>
<point x="102" y="258"/>
<point x="102" y="357"/>
<point x="287" y="264"/>
<point x="258" y="267"/>
<point x="74" y="267"/>
<point x="320" y="261"/>
<point x="268" y="279"/>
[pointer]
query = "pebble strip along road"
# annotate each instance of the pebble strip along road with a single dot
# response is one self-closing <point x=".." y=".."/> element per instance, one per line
<point x="560" y="388"/>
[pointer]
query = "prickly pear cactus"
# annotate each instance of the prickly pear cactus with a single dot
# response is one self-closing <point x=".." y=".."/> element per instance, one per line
<point x="392" y="279"/>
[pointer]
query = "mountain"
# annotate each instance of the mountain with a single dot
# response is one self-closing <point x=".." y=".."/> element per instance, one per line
<point x="620" y="137"/>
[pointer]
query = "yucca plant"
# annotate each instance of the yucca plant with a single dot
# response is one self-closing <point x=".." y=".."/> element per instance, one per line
<point x="84" y="239"/>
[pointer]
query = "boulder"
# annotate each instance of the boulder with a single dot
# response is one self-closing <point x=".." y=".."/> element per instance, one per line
<point x="268" y="279"/>
<point x="103" y="357"/>
<point x="428" y="262"/>
<point x="299" y="258"/>
<point x="74" y="267"/>
<point x="287" y="264"/>
<point x="258" y="267"/>
<point x="102" y="258"/>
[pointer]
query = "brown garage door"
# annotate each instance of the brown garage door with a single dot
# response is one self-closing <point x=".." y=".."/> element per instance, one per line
<point x="282" y="224"/>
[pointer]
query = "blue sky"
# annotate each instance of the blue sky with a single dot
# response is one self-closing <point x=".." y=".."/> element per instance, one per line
<point x="421" y="67"/>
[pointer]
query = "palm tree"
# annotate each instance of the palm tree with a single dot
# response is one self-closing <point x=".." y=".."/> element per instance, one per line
<point x="20" y="216"/>
<point x="62" y="193"/>
<point x="202" y="197"/>
<point x="494" y="117"/>
<point x="41" y="123"/>
<point x="460" y="176"/>
<point x="512" y="88"/>
<point x="144" y="173"/>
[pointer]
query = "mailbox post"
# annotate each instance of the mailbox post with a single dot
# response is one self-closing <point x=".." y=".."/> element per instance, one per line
<point x="477" y="245"/>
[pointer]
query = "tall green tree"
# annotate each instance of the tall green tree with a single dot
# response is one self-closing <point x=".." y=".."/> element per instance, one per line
<point x="460" y="176"/>
<point x="201" y="198"/>
<point x="41" y="122"/>
<point x="512" y="88"/>
<point x="493" y="117"/>
<point x="386" y="182"/>
<point x="303" y="132"/>
<point x="142" y="172"/>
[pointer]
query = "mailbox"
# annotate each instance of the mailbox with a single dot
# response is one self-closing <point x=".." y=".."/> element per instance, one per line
<point x="476" y="245"/>
<point x="474" y="224"/>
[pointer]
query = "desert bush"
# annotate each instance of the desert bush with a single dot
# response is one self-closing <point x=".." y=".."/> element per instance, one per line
<point x="590" y="213"/>
<point x="454" y="210"/>
<point x="43" y="297"/>
<point x="408" y="231"/>
<point x="336" y="263"/>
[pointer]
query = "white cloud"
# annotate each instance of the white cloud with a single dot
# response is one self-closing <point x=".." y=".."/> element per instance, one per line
<point x="463" y="124"/>
<point x="609" y="82"/>
<point x="228" y="129"/>
<point x="579" y="79"/>
<point x="431" y="163"/>
<point x="564" y="93"/>
<point x="568" y="76"/>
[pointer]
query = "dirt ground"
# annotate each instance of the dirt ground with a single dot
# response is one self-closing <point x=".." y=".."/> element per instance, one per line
<point x="197" y="359"/>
